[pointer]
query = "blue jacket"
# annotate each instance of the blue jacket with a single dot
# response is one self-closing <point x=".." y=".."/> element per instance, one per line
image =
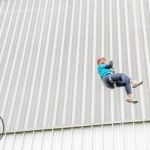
<point x="104" y="69"/>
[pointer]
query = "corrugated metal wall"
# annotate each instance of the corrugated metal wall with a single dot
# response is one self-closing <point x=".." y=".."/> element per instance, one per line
<point x="48" y="51"/>
<point x="114" y="137"/>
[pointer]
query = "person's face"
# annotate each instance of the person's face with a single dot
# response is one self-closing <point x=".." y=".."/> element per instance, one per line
<point x="102" y="61"/>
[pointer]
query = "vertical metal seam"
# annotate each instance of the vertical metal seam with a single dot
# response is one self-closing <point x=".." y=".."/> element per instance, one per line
<point x="120" y="62"/>
<point x="52" y="140"/>
<point x="4" y="141"/>
<point x="12" y="69"/>
<point x="148" y="5"/>
<point x="123" y="135"/>
<point x="2" y="27"/>
<point x="62" y="139"/>
<point x="103" y="143"/>
<point x="43" y="133"/>
<point x="47" y="43"/>
<point x="23" y="141"/>
<point x="145" y="36"/>
<point x="19" y="72"/>
<point x="72" y="138"/>
<point x="128" y="46"/>
<point x="92" y="141"/>
<point x="122" y="146"/>
<point x="33" y="137"/>
<point x="85" y="64"/>
<point x="54" y="51"/>
<point x="7" y="59"/>
<point x="2" y="21"/>
<point x="138" y="55"/>
<point x="111" y="57"/>
<point x="7" y="32"/>
<point x="102" y="49"/>
<point x="35" y="68"/>
<point x="143" y="127"/>
<point x="69" y="62"/>
<point x="116" y="99"/>
<point x="145" y="47"/>
<point x="147" y="143"/>
<point x="13" y="63"/>
<point x="14" y="139"/>
<point x="113" y="136"/>
<point x="12" y="142"/>
<point x="94" y="58"/>
<point x="77" y="62"/>
<point x="43" y="65"/>
<point x="28" y="67"/>
<point x="135" y="136"/>
<point x="82" y="131"/>
<point x="60" y="65"/>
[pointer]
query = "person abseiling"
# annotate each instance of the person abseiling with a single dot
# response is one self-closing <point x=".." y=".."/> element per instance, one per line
<point x="112" y="79"/>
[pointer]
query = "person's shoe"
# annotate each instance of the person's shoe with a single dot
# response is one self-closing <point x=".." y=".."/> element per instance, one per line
<point x="137" y="84"/>
<point x="132" y="100"/>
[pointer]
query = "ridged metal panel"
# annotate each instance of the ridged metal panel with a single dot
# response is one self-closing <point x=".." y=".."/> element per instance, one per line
<point x="133" y="136"/>
<point x="48" y="51"/>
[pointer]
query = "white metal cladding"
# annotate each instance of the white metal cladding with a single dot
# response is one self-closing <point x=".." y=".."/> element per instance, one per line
<point x="134" y="136"/>
<point x="48" y="51"/>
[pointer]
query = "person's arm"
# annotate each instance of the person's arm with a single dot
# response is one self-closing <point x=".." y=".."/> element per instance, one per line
<point x="110" y="65"/>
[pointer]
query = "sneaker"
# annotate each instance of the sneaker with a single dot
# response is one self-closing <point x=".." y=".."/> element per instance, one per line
<point x="137" y="84"/>
<point x="132" y="100"/>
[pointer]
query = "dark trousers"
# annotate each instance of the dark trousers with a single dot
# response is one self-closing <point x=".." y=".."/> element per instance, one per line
<point x="118" y="79"/>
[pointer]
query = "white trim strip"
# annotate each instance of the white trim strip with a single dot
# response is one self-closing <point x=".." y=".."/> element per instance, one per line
<point x="79" y="126"/>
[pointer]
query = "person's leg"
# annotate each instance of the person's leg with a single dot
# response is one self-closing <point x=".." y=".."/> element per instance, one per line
<point x="120" y="84"/>
<point x="127" y="87"/>
<point x="122" y="79"/>
<point x="107" y="83"/>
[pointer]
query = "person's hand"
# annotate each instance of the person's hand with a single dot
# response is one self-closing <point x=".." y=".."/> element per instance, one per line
<point x="113" y="69"/>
